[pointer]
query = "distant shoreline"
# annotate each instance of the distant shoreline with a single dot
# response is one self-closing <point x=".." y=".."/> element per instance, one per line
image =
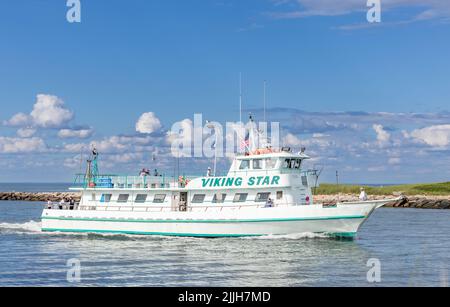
<point x="418" y="189"/>
<point x="410" y="201"/>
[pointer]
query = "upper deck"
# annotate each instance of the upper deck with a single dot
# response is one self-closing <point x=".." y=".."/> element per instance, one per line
<point x="275" y="166"/>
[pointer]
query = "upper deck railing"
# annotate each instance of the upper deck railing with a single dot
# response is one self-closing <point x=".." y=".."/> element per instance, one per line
<point x="129" y="182"/>
<point x="165" y="182"/>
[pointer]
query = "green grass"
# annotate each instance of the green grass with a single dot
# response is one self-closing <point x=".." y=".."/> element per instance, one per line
<point x="406" y="189"/>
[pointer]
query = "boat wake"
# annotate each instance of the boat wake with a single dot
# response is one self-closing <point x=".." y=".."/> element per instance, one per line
<point x="28" y="227"/>
<point x="294" y="236"/>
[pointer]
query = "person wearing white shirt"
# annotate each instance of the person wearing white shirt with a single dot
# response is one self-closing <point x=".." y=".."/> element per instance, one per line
<point x="363" y="195"/>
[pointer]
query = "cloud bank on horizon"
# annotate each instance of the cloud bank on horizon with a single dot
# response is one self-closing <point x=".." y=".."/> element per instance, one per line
<point x="364" y="146"/>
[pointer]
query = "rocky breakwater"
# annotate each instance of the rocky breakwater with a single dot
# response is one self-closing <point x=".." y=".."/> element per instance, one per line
<point x="415" y="201"/>
<point x="40" y="197"/>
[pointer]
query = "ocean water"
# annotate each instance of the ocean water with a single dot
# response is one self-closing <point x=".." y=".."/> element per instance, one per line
<point x="412" y="246"/>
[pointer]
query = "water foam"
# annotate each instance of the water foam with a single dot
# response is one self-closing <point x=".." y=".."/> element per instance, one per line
<point x="31" y="226"/>
<point x="294" y="236"/>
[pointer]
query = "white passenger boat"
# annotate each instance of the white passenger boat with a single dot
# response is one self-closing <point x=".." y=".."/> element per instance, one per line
<point x="264" y="193"/>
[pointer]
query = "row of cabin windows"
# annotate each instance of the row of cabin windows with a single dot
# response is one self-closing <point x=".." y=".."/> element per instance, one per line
<point x="238" y="197"/>
<point x="269" y="163"/>
<point x="140" y="198"/>
<point x="258" y="164"/>
<point x="196" y="199"/>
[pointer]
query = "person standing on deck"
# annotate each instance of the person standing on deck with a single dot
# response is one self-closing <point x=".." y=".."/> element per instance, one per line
<point x="363" y="195"/>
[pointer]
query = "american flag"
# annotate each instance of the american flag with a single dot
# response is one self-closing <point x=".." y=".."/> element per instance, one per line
<point x="246" y="142"/>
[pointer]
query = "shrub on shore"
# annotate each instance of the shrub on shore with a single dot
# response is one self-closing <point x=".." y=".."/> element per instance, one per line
<point x="406" y="189"/>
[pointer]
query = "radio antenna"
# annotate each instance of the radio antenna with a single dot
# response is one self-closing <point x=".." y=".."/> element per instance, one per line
<point x="265" y="84"/>
<point x="240" y="97"/>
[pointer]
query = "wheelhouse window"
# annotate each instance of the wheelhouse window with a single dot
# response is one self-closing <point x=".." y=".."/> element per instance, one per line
<point x="159" y="198"/>
<point x="262" y="197"/>
<point x="245" y="164"/>
<point x="240" y="197"/>
<point x="271" y="163"/>
<point x="123" y="198"/>
<point x="106" y="198"/>
<point x="140" y="198"/>
<point x="198" y="198"/>
<point x="219" y="198"/>
<point x="257" y="164"/>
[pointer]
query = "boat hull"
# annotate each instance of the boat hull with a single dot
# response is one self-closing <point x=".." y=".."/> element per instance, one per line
<point x="341" y="220"/>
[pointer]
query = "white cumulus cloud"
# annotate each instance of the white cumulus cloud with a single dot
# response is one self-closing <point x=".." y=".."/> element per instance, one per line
<point x="26" y="132"/>
<point x="22" y="145"/>
<point x="148" y="123"/>
<point x="19" y="119"/>
<point x="436" y="136"/>
<point x="75" y="133"/>
<point x="383" y="136"/>
<point x="48" y="111"/>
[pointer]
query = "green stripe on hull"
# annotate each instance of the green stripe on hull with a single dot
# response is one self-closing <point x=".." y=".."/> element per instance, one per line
<point x="205" y="221"/>
<point x="170" y="234"/>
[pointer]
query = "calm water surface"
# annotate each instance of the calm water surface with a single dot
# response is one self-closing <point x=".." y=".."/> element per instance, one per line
<point x="412" y="245"/>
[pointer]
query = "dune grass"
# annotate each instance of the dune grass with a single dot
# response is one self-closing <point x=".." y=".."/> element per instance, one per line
<point x="406" y="189"/>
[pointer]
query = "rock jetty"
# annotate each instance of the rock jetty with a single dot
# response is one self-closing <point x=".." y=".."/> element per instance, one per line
<point x="415" y="201"/>
<point x="39" y="197"/>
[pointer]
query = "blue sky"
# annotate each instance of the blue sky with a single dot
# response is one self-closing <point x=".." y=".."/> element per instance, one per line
<point x="369" y="100"/>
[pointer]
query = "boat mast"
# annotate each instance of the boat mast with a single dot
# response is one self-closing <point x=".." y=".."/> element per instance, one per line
<point x="240" y="97"/>
<point x="265" y="83"/>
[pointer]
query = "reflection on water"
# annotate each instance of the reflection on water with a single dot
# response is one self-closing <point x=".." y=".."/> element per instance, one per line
<point x="412" y="245"/>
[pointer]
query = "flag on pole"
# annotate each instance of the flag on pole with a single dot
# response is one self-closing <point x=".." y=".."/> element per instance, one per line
<point x="246" y="142"/>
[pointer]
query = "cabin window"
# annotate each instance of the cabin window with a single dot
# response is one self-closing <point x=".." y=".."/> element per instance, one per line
<point x="123" y="198"/>
<point x="305" y="181"/>
<point x="262" y="197"/>
<point x="240" y="197"/>
<point x="280" y="195"/>
<point x="257" y="164"/>
<point x="106" y="198"/>
<point x="153" y="185"/>
<point x="198" y="198"/>
<point x="271" y="163"/>
<point x="245" y="164"/>
<point x="219" y="198"/>
<point x="140" y="198"/>
<point x="159" y="198"/>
